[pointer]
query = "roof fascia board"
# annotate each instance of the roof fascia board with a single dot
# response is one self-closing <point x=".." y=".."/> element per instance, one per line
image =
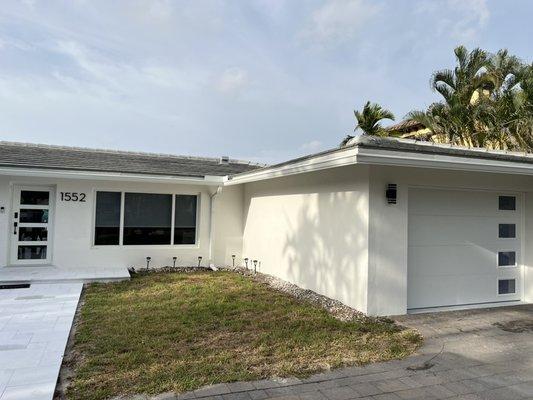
<point x="124" y="177"/>
<point x="441" y="161"/>
<point x="362" y="155"/>
<point x="325" y="161"/>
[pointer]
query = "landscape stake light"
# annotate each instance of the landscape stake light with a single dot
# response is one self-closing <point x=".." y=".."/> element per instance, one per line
<point x="255" y="266"/>
<point x="174" y="259"/>
<point x="199" y="260"/>
<point x="246" y="262"/>
<point x="233" y="260"/>
<point x="148" y="259"/>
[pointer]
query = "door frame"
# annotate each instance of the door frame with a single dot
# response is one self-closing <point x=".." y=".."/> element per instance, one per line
<point x="15" y="207"/>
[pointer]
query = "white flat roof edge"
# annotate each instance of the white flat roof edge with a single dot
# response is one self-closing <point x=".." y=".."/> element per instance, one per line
<point x="113" y="176"/>
<point x="382" y="156"/>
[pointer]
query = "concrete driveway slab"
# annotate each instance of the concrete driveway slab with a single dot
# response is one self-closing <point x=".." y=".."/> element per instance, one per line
<point x="35" y="324"/>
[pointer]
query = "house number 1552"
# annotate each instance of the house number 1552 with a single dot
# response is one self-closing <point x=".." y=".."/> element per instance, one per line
<point x="73" y="196"/>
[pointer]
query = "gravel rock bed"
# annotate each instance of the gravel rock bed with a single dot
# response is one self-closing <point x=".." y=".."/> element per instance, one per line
<point x="334" y="307"/>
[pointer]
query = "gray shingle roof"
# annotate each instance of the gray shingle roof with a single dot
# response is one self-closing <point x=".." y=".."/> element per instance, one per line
<point x="81" y="159"/>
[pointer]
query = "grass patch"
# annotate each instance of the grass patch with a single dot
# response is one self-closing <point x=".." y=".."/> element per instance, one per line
<point x="178" y="332"/>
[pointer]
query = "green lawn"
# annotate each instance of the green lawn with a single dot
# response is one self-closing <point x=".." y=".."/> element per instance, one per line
<point x="177" y="332"/>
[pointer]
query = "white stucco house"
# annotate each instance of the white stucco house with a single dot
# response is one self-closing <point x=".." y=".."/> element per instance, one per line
<point x="387" y="226"/>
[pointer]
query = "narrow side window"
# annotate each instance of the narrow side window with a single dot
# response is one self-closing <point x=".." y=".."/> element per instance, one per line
<point x="107" y="221"/>
<point x="185" y="219"/>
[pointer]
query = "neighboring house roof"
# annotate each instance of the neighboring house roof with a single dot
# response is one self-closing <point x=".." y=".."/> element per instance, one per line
<point x="379" y="150"/>
<point x="425" y="147"/>
<point x="405" y="126"/>
<point x="39" y="156"/>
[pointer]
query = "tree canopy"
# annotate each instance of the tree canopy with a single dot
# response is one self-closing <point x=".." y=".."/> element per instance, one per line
<point x="487" y="101"/>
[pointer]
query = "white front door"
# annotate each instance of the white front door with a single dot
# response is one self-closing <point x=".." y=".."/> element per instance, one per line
<point x="30" y="231"/>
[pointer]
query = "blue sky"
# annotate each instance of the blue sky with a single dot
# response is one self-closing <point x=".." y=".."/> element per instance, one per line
<point x="263" y="80"/>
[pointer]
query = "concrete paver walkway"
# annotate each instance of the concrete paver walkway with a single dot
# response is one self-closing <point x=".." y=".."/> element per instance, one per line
<point x="469" y="355"/>
<point x="34" y="328"/>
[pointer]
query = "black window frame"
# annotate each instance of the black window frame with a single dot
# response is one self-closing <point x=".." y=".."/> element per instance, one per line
<point x="184" y="230"/>
<point x="501" y="231"/>
<point x="513" y="286"/>
<point x="193" y="238"/>
<point x="503" y="206"/>
<point x="507" y="258"/>
<point x="95" y="226"/>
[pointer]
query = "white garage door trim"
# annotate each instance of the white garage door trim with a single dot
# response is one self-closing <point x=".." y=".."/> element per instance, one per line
<point x="475" y="218"/>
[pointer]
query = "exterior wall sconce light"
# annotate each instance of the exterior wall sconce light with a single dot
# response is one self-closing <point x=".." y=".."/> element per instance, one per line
<point x="199" y="261"/>
<point x="174" y="259"/>
<point x="246" y="262"/>
<point x="233" y="260"/>
<point x="255" y="266"/>
<point x="391" y="193"/>
<point x="148" y="259"/>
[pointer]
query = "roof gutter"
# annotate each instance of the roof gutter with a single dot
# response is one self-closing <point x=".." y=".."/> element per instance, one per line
<point x="114" y="176"/>
<point x="441" y="161"/>
<point x="383" y="156"/>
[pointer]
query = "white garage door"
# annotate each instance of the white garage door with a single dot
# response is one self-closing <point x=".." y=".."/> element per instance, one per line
<point x="464" y="248"/>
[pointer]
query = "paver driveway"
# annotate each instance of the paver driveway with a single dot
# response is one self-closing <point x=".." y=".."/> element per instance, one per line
<point x="474" y="354"/>
<point x="34" y="329"/>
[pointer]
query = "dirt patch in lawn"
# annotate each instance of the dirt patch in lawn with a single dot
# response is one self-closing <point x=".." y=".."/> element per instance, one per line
<point x="180" y="331"/>
<point x="516" y="326"/>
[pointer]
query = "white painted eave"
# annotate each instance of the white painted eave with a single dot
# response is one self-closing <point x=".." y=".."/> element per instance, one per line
<point x="441" y="161"/>
<point x="112" y="176"/>
<point x="335" y="159"/>
<point x="372" y="156"/>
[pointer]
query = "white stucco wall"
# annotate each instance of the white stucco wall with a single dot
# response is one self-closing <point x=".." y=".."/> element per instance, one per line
<point x="388" y="241"/>
<point x="74" y="223"/>
<point x="228" y="229"/>
<point x="312" y="229"/>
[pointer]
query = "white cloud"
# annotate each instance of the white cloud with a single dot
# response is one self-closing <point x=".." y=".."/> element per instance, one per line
<point x="473" y="15"/>
<point x="232" y="80"/>
<point x="312" y="147"/>
<point x="161" y="9"/>
<point x="338" y="21"/>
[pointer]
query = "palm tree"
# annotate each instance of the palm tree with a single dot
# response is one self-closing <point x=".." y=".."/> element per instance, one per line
<point x="486" y="102"/>
<point x="453" y="120"/>
<point x="368" y="120"/>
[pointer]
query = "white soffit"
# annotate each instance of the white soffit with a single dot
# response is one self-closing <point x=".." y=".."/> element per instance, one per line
<point x="372" y="156"/>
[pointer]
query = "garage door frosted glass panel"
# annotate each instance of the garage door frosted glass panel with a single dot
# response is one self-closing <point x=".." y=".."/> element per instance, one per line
<point x="147" y="218"/>
<point x="453" y="247"/>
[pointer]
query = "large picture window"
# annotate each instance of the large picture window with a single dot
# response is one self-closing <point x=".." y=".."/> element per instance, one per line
<point x="147" y="219"/>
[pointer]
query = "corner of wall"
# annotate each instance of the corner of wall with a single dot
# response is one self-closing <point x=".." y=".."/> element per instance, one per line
<point x="387" y="248"/>
<point x="228" y="226"/>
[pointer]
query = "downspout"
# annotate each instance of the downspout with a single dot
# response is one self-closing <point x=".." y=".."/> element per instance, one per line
<point x="212" y="199"/>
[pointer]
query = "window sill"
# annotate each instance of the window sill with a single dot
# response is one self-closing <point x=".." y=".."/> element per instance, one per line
<point x="149" y="246"/>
